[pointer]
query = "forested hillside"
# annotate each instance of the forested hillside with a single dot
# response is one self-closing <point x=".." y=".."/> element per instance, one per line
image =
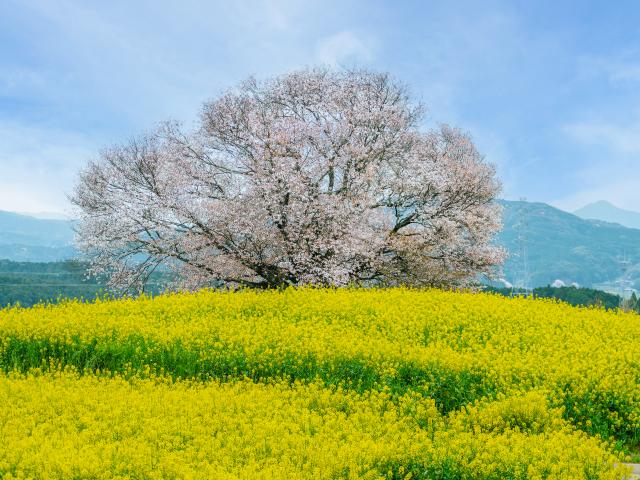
<point x="559" y="245"/>
<point x="28" y="283"/>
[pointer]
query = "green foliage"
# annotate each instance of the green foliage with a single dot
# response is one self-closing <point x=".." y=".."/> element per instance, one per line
<point x="631" y="304"/>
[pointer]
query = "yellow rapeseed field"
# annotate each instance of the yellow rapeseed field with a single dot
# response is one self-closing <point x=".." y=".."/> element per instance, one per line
<point x="318" y="383"/>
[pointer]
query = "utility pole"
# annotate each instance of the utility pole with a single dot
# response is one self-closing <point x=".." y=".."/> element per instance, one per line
<point x="522" y="276"/>
<point x="624" y="283"/>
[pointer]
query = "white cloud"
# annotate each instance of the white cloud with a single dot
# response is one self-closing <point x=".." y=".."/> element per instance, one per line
<point x="619" y="138"/>
<point x="611" y="167"/>
<point x="622" y="192"/>
<point x="625" y="73"/>
<point x="94" y="67"/>
<point x="277" y="13"/>
<point x="16" y="78"/>
<point x="100" y="70"/>
<point x="620" y="70"/>
<point x="343" y="48"/>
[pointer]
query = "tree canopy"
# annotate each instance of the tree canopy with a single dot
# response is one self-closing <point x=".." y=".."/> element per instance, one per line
<point x="313" y="177"/>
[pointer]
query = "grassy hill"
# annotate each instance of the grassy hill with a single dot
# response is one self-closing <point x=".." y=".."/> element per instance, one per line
<point x="29" y="283"/>
<point x="315" y="383"/>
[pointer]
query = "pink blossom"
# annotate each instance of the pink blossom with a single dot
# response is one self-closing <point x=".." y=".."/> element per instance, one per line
<point x="314" y="177"/>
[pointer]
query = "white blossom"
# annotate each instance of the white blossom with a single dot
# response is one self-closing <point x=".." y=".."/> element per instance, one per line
<point x="315" y="177"/>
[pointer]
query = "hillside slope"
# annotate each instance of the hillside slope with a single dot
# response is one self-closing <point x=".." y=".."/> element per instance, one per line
<point x="562" y="246"/>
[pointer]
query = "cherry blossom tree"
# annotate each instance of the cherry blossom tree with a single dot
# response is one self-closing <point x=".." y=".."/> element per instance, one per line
<point x="314" y="177"/>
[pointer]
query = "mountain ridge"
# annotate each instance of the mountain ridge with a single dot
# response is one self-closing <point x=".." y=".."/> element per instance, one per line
<point x="27" y="238"/>
<point x="606" y="211"/>
<point x="562" y="246"/>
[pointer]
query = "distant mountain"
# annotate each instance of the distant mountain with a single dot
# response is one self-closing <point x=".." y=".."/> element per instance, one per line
<point x="46" y="215"/>
<point x="28" y="239"/>
<point x="609" y="213"/>
<point x="562" y="246"/>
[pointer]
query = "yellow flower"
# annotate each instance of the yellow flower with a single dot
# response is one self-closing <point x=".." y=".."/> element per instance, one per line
<point x="317" y="383"/>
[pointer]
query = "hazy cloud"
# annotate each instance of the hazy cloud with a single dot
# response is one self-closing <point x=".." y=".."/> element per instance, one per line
<point x="623" y="139"/>
<point x="549" y="100"/>
<point x="621" y="191"/>
<point x="38" y="166"/>
<point x="620" y="70"/>
<point x="343" y="48"/>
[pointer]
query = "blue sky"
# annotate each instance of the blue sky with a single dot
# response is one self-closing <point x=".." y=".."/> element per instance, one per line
<point x="550" y="91"/>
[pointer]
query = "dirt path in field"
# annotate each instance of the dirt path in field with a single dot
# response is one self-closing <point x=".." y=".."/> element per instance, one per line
<point x="636" y="470"/>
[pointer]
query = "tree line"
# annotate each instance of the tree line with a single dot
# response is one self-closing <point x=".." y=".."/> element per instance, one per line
<point x="30" y="283"/>
<point x="577" y="296"/>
